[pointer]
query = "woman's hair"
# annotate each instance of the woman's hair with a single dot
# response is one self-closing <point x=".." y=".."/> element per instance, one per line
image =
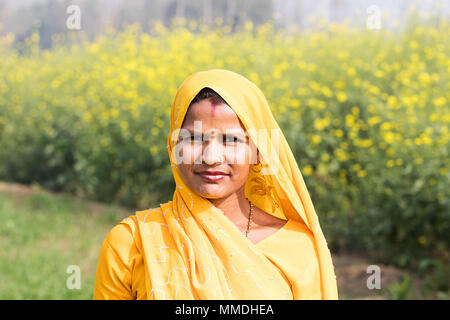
<point x="208" y="93"/>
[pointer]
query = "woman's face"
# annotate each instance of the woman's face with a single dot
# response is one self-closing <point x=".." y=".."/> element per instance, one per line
<point x="214" y="150"/>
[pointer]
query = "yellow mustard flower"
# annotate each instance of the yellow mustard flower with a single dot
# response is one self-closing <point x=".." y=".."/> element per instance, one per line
<point x="307" y="170"/>
<point x="341" y="96"/>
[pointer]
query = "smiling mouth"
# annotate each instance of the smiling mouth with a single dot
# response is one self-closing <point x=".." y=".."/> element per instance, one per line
<point x="212" y="175"/>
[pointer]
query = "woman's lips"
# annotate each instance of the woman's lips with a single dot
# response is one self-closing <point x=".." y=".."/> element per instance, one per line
<point x="212" y="175"/>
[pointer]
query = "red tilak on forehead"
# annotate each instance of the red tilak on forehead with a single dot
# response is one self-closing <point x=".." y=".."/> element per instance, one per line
<point x="213" y="108"/>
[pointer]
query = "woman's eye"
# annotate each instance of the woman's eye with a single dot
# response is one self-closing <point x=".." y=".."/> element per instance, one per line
<point x="196" y="138"/>
<point x="192" y="138"/>
<point x="232" y="139"/>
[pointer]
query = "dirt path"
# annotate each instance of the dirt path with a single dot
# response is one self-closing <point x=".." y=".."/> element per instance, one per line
<point x="354" y="277"/>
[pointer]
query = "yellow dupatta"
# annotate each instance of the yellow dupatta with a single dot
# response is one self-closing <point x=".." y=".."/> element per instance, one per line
<point x="190" y="249"/>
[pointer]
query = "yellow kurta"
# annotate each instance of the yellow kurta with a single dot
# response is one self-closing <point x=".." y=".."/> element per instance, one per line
<point x="121" y="268"/>
<point x="188" y="249"/>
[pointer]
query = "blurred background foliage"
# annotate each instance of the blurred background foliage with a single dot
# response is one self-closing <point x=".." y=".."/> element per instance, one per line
<point x="366" y="113"/>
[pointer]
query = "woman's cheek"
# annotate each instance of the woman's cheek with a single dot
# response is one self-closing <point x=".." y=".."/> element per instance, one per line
<point x="188" y="153"/>
<point x="240" y="154"/>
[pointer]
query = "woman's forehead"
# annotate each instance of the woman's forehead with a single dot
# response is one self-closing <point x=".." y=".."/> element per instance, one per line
<point x="212" y="114"/>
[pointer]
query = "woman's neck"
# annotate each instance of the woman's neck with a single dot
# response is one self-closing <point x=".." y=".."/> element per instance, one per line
<point x="235" y="207"/>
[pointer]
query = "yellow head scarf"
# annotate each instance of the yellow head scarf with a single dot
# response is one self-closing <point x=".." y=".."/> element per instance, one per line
<point x="190" y="247"/>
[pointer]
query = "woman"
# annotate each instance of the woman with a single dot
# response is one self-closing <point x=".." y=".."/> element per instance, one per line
<point x="241" y="224"/>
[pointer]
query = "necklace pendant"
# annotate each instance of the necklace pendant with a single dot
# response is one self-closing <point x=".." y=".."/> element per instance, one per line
<point x="249" y="219"/>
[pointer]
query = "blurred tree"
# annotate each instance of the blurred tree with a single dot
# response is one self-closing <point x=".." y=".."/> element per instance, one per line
<point x="4" y="11"/>
<point x="180" y="8"/>
<point x="336" y="10"/>
<point x="230" y="10"/>
<point x="91" y="17"/>
<point x="259" y="11"/>
<point x="50" y="18"/>
<point x="207" y="12"/>
<point x="299" y="13"/>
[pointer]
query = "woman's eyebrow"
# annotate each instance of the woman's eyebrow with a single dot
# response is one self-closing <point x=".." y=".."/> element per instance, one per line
<point x="193" y="132"/>
<point x="239" y="132"/>
<point x="228" y="131"/>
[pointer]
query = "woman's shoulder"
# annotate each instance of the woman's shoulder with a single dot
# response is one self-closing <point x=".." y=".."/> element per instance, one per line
<point x="151" y="214"/>
<point x="122" y="235"/>
<point x="125" y="233"/>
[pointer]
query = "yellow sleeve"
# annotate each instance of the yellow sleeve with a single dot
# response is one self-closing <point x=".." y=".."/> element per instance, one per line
<point x="115" y="265"/>
<point x="307" y="284"/>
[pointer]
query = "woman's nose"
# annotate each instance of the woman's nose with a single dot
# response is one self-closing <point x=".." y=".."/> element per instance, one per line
<point x="213" y="152"/>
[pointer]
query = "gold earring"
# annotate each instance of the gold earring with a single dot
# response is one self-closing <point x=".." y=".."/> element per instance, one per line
<point x="257" y="167"/>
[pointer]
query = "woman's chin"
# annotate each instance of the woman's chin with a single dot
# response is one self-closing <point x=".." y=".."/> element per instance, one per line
<point x="212" y="192"/>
